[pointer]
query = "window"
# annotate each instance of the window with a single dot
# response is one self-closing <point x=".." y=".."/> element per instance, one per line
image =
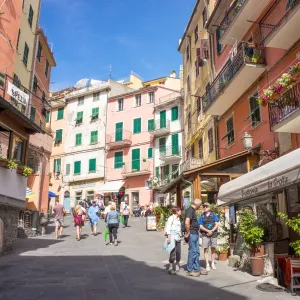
<point x="92" y="165"/>
<point x="118" y="160"/>
<point x="200" y="146"/>
<point x="60" y="113"/>
<point x="196" y="34"/>
<point x="18" y="149"/>
<point x="219" y="45"/>
<point x="47" y="68"/>
<point x="137" y="125"/>
<point x="68" y="169"/>
<point x="47" y="116"/>
<point x="162" y="145"/>
<point x="57" y="165"/>
<point x="174" y="113"/>
<point x="189" y="121"/>
<point x="78" y="139"/>
<point x="30" y="16"/>
<point x="43" y="96"/>
<point x="25" y="54"/>
<point x="90" y="195"/>
<point x="138" y="100"/>
<point x="187" y="53"/>
<point x="32" y="114"/>
<point x="80" y="100"/>
<point x="35" y="84"/>
<point x="210" y="140"/>
<point x="204" y="16"/>
<point x="230" y="131"/>
<point x="157" y="172"/>
<point x="41" y="123"/>
<point x="151" y="97"/>
<point x="120" y="103"/>
<point x="197" y="69"/>
<point x="78" y="196"/>
<point x="18" y="40"/>
<point x="95" y="113"/>
<point x="199" y="106"/>
<point x="150" y="125"/>
<point x="193" y="150"/>
<point x="79" y="117"/>
<point x="150" y="152"/>
<point x="175" y="171"/>
<point x="96" y="96"/>
<point x="39" y="53"/>
<point x="254" y="110"/>
<point x="188" y="84"/>
<point x="94" y="137"/>
<point x="58" y="136"/>
<point x="77" y="167"/>
<point x="16" y="81"/>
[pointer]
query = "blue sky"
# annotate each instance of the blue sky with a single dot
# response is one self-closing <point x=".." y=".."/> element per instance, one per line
<point x="90" y="35"/>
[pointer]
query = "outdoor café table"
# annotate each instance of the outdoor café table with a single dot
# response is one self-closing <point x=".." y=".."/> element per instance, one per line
<point x="285" y="266"/>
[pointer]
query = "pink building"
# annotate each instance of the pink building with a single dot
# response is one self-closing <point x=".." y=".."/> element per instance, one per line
<point x="130" y="120"/>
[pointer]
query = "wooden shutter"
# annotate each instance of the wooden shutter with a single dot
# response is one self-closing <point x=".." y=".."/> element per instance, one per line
<point x="167" y="170"/>
<point x="92" y="165"/>
<point x="60" y="114"/>
<point x="174" y="112"/>
<point x="47" y="116"/>
<point x="200" y="146"/>
<point x="58" y="164"/>
<point x="157" y="172"/>
<point x="162" y="145"/>
<point x="58" y="136"/>
<point x="94" y="137"/>
<point x="68" y="169"/>
<point x="218" y="36"/>
<point x="163" y="120"/>
<point x="135" y="155"/>
<point x="210" y="140"/>
<point x="118" y="160"/>
<point x="77" y="167"/>
<point x="204" y="48"/>
<point x="78" y="139"/>
<point x="137" y="126"/>
<point x="151" y="125"/>
<point x="32" y="114"/>
<point x="175" y="145"/>
<point x="150" y="152"/>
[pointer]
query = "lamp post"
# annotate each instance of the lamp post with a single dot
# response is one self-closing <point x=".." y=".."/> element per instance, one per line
<point x="247" y="140"/>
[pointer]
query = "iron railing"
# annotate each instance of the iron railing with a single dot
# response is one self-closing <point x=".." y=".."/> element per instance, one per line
<point x="287" y="104"/>
<point x="118" y="136"/>
<point x="136" y="166"/>
<point x="245" y="54"/>
<point x="276" y="15"/>
<point x="191" y="163"/>
<point x="231" y="15"/>
<point x="169" y="97"/>
<point x="173" y="150"/>
<point x="161" y="124"/>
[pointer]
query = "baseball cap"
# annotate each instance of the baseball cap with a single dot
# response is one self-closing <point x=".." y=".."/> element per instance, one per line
<point x="206" y="204"/>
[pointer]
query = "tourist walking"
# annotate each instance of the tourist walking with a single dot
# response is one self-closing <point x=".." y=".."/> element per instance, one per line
<point x="126" y="212"/>
<point x="78" y="220"/>
<point x="192" y="237"/>
<point x="112" y="223"/>
<point x="93" y="217"/>
<point x="209" y="223"/>
<point x="59" y="211"/>
<point x="173" y="233"/>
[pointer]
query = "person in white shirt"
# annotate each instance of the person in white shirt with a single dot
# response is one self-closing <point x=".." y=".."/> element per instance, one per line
<point x="126" y="213"/>
<point x="107" y="210"/>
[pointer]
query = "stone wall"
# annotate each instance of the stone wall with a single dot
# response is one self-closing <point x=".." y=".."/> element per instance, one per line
<point x="9" y="216"/>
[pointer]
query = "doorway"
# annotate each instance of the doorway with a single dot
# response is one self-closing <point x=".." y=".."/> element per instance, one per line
<point x="67" y="202"/>
<point x="135" y="200"/>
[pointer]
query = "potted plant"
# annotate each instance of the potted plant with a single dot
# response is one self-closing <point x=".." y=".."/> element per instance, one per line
<point x="268" y="94"/>
<point x="3" y="162"/>
<point x="295" y="71"/>
<point x="257" y="59"/>
<point x="286" y="81"/>
<point x="277" y="88"/>
<point x="252" y="234"/>
<point x="222" y="251"/>
<point x="134" y="170"/>
<point x="8" y="163"/>
<point x="24" y="171"/>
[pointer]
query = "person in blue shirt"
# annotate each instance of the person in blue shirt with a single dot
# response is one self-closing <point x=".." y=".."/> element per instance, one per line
<point x="112" y="223"/>
<point x="93" y="216"/>
<point x="209" y="223"/>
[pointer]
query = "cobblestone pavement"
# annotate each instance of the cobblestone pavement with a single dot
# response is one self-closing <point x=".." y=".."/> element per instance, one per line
<point x="47" y="269"/>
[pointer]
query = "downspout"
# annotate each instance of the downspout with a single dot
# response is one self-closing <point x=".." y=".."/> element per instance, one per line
<point x="216" y="138"/>
<point x="105" y="129"/>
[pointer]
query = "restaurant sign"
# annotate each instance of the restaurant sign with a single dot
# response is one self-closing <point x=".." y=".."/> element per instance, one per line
<point x="84" y="185"/>
<point x="17" y="94"/>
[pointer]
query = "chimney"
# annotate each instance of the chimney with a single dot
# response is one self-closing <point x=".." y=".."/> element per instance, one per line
<point x="173" y="74"/>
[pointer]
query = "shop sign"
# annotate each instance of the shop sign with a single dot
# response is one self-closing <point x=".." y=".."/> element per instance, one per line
<point x="84" y="185"/>
<point x="151" y="223"/>
<point x="17" y="94"/>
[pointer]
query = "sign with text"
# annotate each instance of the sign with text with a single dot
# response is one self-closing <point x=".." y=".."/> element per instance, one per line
<point x="151" y="223"/>
<point x="17" y="94"/>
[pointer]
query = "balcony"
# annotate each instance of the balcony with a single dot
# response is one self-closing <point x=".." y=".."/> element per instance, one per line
<point x="161" y="127"/>
<point x="136" y="168"/>
<point x="236" y="22"/>
<point x="280" y="26"/>
<point x="170" y="98"/>
<point x="119" y="139"/>
<point x="170" y="153"/>
<point x="285" y="113"/>
<point x="191" y="163"/>
<point x="238" y="74"/>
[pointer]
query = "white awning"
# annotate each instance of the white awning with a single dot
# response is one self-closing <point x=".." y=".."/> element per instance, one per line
<point x="111" y="186"/>
<point x="282" y="172"/>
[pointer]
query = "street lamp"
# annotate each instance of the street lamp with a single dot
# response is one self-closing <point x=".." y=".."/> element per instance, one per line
<point x="247" y="140"/>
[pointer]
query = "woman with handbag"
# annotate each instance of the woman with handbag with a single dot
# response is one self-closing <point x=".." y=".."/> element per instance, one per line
<point x="79" y="216"/>
<point x="112" y="223"/>
<point x="126" y="212"/>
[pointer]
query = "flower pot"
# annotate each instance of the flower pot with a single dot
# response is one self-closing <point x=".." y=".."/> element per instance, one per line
<point x="257" y="265"/>
<point x="260" y="61"/>
<point x="223" y="256"/>
<point x="20" y="171"/>
<point x="257" y="251"/>
<point x="276" y="96"/>
<point x="3" y="164"/>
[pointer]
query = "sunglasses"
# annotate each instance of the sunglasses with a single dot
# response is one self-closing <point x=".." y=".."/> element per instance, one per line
<point x="205" y="206"/>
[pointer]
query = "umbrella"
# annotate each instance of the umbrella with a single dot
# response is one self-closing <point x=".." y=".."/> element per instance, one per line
<point x="51" y="195"/>
<point x="29" y="193"/>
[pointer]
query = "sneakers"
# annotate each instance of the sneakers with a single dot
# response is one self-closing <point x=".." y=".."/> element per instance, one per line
<point x="177" y="268"/>
<point x="116" y="242"/>
<point x="207" y="268"/>
<point x="213" y="266"/>
<point x="193" y="274"/>
<point x="171" y="272"/>
<point x="111" y="243"/>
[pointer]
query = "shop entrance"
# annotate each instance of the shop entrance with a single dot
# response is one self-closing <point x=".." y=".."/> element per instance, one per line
<point x="135" y="199"/>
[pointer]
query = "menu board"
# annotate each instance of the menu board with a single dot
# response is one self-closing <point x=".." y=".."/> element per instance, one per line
<point x="151" y="223"/>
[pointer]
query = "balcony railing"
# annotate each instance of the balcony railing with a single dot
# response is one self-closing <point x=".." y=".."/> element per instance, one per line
<point x="167" y="98"/>
<point x="170" y="151"/>
<point x="160" y="124"/>
<point x="191" y="163"/>
<point x="136" y="168"/>
<point x="231" y="15"/>
<point x="287" y="104"/>
<point x="120" y="136"/>
<point x="245" y="55"/>
<point x="277" y="14"/>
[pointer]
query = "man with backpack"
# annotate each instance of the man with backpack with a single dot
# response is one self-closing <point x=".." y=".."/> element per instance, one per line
<point x="209" y="223"/>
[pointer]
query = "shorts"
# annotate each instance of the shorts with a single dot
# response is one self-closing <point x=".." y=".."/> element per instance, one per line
<point x="59" y="222"/>
<point x="208" y="241"/>
<point x="93" y="222"/>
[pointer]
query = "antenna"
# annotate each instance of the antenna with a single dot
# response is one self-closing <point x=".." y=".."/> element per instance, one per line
<point x="110" y="69"/>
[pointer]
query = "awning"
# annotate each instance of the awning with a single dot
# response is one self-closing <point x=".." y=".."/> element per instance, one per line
<point x="51" y="195"/>
<point x="275" y="175"/>
<point x="111" y="186"/>
<point x="29" y="193"/>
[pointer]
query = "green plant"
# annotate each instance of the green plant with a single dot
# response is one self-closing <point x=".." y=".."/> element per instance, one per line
<point x="294" y="69"/>
<point x="222" y="248"/>
<point x="255" y="58"/>
<point x="268" y="93"/>
<point x="293" y="223"/>
<point x="11" y="164"/>
<point x="252" y="233"/>
<point x="286" y="80"/>
<point x="26" y="171"/>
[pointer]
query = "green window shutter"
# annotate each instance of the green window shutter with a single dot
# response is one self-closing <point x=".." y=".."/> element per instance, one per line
<point x="162" y="145"/>
<point x="218" y="36"/>
<point x="47" y="68"/>
<point x="57" y="165"/>
<point x="39" y="54"/>
<point x="119" y="160"/>
<point x="174" y="111"/>
<point x="94" y="137"/>
<point x="58" y="136"/>
<point x="92" y="165"/>
<point x="150" y="152"/>
<point x="137" y="125"/>
<point x="151" y="125"/>
<point x="25" y="54"/>
<point x="157" y="172"/>
<point x="68" y="169"/>
<point x="167" y="170"/>
<point x="95" y="113"/>
<point x="79" y="117"/>
<point x="175" y="145"/>
<point x="32" y="114"/>
<point x="136" y="161"/>
<point x="30" y="16"/>
<point x="78" y="139"/>
<point x="77" y="167"/>
<point x="47" y="116"/>
<point x="119" y="132"/>
<point x="60" y="114"/>
<point x="163" y="120"/>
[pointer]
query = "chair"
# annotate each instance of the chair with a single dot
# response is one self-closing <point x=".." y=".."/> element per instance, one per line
<point x="295" y="264"/>
<point x="278" y="273"/>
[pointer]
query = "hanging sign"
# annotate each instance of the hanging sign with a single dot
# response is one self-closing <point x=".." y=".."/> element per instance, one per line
<point x="17" y="94"/>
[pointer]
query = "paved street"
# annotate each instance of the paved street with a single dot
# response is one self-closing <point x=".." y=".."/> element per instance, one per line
<point x="43" y="268"/>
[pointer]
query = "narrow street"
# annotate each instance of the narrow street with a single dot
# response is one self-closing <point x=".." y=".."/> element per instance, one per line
<point x="44" y="268"/>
